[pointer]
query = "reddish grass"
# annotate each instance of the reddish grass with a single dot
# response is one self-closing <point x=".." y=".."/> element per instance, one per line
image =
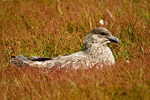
<point x="122" y="81"/>
<point x="51" y="28"/>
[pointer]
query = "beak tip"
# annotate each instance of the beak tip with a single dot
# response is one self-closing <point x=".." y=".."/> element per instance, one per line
<point x="114" y="39"/>
<point x="117" y="41"/>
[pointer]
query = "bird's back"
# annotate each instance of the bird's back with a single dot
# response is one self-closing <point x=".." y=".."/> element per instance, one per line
<point x="73" y="60"/>
<point x="67" y="61"/>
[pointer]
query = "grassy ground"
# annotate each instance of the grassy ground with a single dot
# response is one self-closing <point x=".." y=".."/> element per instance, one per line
<point x="58" y="27"/>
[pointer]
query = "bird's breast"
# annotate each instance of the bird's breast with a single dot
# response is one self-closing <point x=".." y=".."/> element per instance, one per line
<point x="102" y="55"/>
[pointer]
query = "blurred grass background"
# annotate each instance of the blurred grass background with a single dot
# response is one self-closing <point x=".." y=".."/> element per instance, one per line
<point x="57" y="27"/>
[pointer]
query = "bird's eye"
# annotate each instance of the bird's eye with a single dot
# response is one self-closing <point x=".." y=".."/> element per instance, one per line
<point x="102" y="33"/>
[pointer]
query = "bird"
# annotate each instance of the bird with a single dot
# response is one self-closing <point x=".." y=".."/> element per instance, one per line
<point x="96" y="51"/>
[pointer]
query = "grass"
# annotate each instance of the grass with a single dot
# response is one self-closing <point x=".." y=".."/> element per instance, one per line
<point x="58" y="27"/>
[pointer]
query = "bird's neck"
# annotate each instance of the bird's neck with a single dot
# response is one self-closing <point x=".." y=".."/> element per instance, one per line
<point x="100" y="53"/>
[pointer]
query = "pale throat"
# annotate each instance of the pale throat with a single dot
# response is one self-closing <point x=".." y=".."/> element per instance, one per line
<point x="101" y="53"/>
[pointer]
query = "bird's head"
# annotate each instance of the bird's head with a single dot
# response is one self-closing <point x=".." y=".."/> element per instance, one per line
<point x="100" y="36"/>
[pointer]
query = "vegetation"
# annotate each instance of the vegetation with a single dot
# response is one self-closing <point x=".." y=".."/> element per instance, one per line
<point x="58" y="27"/>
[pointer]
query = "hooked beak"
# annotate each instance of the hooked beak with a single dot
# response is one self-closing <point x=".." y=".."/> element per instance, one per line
<point x="114" y="39"/>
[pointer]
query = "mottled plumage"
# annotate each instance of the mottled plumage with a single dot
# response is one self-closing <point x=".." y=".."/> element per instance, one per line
<point x="96" y="51"/>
